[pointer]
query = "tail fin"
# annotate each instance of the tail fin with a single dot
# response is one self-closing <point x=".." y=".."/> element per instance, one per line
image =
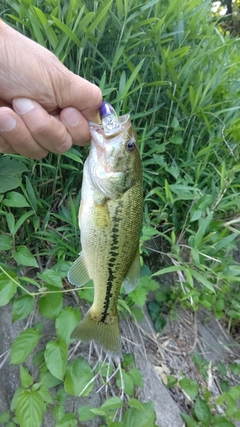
<point x="107" y="335"/>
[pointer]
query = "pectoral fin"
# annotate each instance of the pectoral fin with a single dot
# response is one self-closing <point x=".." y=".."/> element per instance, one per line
<point x="78" y="274"/>
<point x="131" y="280"/>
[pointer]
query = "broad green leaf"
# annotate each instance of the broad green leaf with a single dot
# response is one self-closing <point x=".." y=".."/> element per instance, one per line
<point x="56" y="357"/>
<point x="145" y="284"/>
<point x="23" y="345"/>
<point x="202" y="279"/>
<point x="21" y="220"/>
<point x="159" y="323"/>
<point x="4" y="417"/>
<point x="136" y="376"/>
<point x="154" y="309"/>
<point x="87" y="294"/>
<point x="190" y="387"/>
<point x="203" y="225"/>
<point x="50" y="304"/>
<point x="134" y="417"/>
<point x="49" y="380"/>
<point x="10" y="218"/>
<point x="225" y="242"/>
<point x="10" y="173"/>
<point x="23" y="256"/>
<point x="128" y="360"/>
<point x="100" y="412"/>
<point x="148" y="283"/>
<point x="220" y="421"/>
<point x="79" y="378"/>
<point x="112" y="403"/>
<point x="171" y="381"/>
<point x="234" y="368"/>
<point x="61" y="396"/>
<point x="128" y="384"/>
<point x="235" y="392"/>
<point x="15" y="398"/>
<point x="51" y="278"/>
<point x="222" y="368"/>
<point x="66" y="322"/>
<point x="31" y="194"/>
<point x="73" y="156"/>
<point x="202" y="411"/>
<point x="7" y="288"/>
<point x="195" y="215"/>
<point x="22" y="307"/>
<point x="29" y="410"/>
<point x="166" y="270"/>
<point x="176" y="139"/>
<point x="5" y="243"/>
<point x="85" y="413"/>
<point x="11" y="424"/>
<point x="25" y="378"/>
<point x="135" y="403"/>
<point x="190" y="422"/>
<point x="226" y="397"/>
<point x="59" y="412"/>
<point x="15" y="200"/>
<point x="68" y="420"/>
<point x="139" y="296"/>
<point x="45" y="394"/>
<point x="116" y="424"/>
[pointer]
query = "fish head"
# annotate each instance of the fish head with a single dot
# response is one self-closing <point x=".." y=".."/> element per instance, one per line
<point x="114" y="158"/>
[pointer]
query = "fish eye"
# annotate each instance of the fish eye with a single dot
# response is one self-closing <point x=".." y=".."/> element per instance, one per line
<point x="130" y="145"/>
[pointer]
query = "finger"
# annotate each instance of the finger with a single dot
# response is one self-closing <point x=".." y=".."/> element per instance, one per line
<point x="79" y="93"/>
<point x="5" y="148"/>
<point x="49" y="132"/>
<point x="76" y="125"/>
<point x="14" y="133"/>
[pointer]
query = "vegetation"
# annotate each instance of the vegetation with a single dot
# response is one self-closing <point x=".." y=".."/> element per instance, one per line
<point x="230" y="15"/>
<point x="178" y="75"/>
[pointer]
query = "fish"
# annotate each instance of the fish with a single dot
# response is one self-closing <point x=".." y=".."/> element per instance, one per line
<point x="110" y="220"/>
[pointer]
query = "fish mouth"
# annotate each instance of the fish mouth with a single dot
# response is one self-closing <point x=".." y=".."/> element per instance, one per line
<point x="101" y="133"/>
<point x="106" y="138"/>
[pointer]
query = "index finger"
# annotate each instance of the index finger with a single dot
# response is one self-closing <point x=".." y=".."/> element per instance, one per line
<point x="79" y="93"/>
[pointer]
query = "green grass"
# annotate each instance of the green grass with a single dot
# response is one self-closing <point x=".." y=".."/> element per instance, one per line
<point x="167" y="64"/>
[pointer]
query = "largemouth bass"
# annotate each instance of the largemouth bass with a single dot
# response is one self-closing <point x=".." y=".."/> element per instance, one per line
<point x="110" y="218"/>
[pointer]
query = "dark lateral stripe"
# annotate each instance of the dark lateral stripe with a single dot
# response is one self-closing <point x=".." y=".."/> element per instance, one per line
<point x="112" y="259"/>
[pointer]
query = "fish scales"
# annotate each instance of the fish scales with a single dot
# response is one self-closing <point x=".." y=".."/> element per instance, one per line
<point x="110" y="221"/>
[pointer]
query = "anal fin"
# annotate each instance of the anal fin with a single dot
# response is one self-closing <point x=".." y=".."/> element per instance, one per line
<point x="132" y="277"/>
<point x="78" y="274"/>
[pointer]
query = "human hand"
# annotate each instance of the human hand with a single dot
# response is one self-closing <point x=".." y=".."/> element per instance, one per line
<point x="43" y="106"/>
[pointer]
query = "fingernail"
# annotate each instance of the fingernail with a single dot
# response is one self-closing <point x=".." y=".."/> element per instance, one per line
<point x="23" y="105"/>
<point x="7" y="124"/>
<point x="98" y="119"/>
<point x="71" y="117"/>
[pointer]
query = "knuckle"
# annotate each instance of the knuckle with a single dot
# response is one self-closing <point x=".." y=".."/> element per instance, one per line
<point x="41" y="127"/>
<point x="64" y="144"/>
<point x="5" y="147"/>
<point x="40" y="155"/>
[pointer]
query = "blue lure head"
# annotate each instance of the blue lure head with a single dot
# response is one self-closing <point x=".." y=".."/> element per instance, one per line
<point x="109" y="118"/>
<point x="106" y="109"/>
